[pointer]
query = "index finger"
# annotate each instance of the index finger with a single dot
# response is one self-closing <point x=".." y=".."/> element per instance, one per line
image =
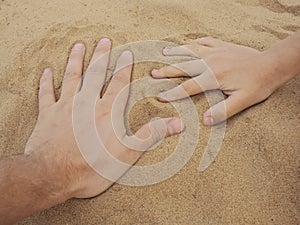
<point x="193" y="50"/>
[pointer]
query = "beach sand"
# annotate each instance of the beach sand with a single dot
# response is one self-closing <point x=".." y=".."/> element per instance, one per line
<point x="255" y="179"/>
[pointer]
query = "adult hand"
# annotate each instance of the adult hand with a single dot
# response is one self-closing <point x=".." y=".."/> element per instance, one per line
<point x="245" y="75"/>
<point x="53" y="137"/>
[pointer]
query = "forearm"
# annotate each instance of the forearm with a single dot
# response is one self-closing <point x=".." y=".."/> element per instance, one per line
<point x="285" y="58"/>
<point x="26" y="187"/>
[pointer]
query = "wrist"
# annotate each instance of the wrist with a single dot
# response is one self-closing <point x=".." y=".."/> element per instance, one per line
<point x="285" y="56"/>
<point x="278" y="72"/>
<point x="28" y="186"/>
<point x="49" y="179"/>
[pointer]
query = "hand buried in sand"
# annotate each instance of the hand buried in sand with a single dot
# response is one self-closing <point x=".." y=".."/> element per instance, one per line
<point x="53" y="169"/>
<point x="53" y="137"/>
<point x="246" y="76"/>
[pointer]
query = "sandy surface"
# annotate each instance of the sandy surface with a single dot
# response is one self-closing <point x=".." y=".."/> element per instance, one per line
<point x="255" y="178"/>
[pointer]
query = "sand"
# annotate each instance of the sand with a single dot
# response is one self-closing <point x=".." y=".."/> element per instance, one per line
<point x="255" y="179"/>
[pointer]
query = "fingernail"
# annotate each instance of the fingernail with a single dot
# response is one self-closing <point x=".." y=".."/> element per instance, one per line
<point x="47" y="71"/>
<point x="127" y="53"/>
<point x="104" y="41"/>
<point x="162" y="97"/>
<point x="155" y="72"/>
<point x="166" y="50"/>
<point x="175" y="126"/>
<point x="208" y="121"/>
<point x="79" y="46"/>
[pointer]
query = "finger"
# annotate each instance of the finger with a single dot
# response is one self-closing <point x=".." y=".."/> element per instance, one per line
<point x="193" y="50"/>
<point x="185" y="69"/>
<point x="225" y="109"/>
<point x="210" y="42"/>
<point x="95" y="75"/>
<point x="199" y="84"/>
<point x="73" y="73"/>
<point x="157" y="130"/>
<point x="119" y="85"/>
<point x="46" y="92"/>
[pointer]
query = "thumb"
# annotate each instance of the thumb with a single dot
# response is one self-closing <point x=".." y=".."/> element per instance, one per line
<point x="225" y="109"/>
<point x="157" y="130"/>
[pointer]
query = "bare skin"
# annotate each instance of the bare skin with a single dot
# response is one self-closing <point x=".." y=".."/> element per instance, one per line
<point x="245" y="75"/>
<point x="52" y="170"/>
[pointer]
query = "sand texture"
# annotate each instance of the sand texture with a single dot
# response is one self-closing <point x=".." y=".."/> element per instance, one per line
<point x="255" y="179"/>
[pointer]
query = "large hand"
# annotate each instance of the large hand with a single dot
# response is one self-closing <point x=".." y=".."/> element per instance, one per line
<point x="53" y="139"/>
<point x="245" y="75"/>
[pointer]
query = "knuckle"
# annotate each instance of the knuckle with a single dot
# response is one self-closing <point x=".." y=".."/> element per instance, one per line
<point x="190" y="48"/>
<point x="120" y="78"/>
<point x="257" y="96"/>
<point x="64" y="105"/>
<point x="167" y="70"/>
<point x="105" y="107"/>
<point x="157" y="133"/>
<point x="206" y="39"/>
<point x="105" y="104"/>
<point x="221" y="71"/>
<point x="72" y="74"/>
<point x="210" y="38"/>
<point x="93" y="68"/>
<point x="111" y="95"/>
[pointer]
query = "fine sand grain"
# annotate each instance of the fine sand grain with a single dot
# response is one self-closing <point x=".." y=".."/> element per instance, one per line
<point x="255" y="179"/>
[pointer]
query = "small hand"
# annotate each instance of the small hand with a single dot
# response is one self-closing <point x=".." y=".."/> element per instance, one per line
<point x="53" y="138"/>
<point x="244" y="74"/>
